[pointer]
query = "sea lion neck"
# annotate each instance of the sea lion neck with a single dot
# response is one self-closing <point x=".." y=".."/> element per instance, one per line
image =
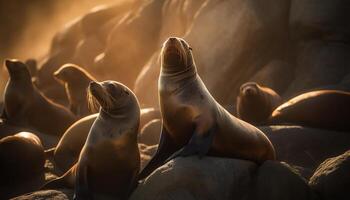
<point x="118" y="113"/>
<point x="175" y="74"/>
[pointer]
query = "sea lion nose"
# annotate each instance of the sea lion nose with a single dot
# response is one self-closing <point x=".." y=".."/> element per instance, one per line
<point x="93" y="85"/>
<point x="172" y="39"/>
<point x="249" y="91"/>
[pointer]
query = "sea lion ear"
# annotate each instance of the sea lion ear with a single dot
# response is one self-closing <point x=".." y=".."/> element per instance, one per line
<point x="190" y="48"/>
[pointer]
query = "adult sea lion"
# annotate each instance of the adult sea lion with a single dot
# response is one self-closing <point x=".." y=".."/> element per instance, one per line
<point x="255" y="103"/>
<point x="26" y="107"/>
<point x="193" y="122"/>
<point x="326" y="109"/>
<point x="67" y="151"/>
<point x="76" y="81"/>
<point x="21" y="157"/>
<point x="109" y="161"/>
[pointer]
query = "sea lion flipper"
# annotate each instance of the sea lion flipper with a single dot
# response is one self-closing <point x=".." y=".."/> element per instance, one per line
<point x="165" y="149"/>
<point x="199" y="144"/>
<point x="61" y="182"/>
<point x="81" y="184"/>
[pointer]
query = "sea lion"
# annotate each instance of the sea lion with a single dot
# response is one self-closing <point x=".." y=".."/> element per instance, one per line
<point x="150" y="133"/>
<point x="8" y="129"/>
<point x="326" y="109"/>
<point x="67" y="151"/>
<point x="255" y="103"/>
<point x="21" y="157"/>
<point x="26" y="107"/>
<point x="193" y="122"/>
<point x="76" y="81"/>
<point x="110" y="160"/>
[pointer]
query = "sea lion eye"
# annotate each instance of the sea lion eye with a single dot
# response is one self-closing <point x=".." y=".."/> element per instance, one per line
<point x="126" y="92"/>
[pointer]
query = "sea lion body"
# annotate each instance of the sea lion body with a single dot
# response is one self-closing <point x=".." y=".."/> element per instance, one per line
<point x="26" y="107"/>
<point x="327" y="109"/>
<point x="76" y="81"/>
<point x="67" y="151"/>
<point x="255" y="103"/>
<point x="21" y="157"/>
<point x="109" y="161"/>
<point x="193" y="122"/>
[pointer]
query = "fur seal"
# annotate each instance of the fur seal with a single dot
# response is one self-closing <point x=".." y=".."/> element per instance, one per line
<point x="110" y="160"/>
<point x="255" y="103"/>
<point x="76" y="81"/>
<point x="67" y="151"/>
<point x="193" y="122"/>
<point x="26" y="107"/>
<point x="21" y="157"/>
<point x="326" y="109"/>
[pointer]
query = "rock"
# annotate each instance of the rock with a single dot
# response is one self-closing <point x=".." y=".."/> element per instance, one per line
<point x="269" y="185"/>
<point x="315" y="19"/>
<point x="306" y="147"/>
<point x="222" y="178"/>
<point x="319" y="63"/>
<point x="332" y="178"/>
<point x="277" y="75"/>
<point x="320" y="30"/>
<point x="146" y="153"/>
<point x="150" y="133"/>
<point x="193" y="178"/>
<point x="239" y="45"/>
<point x="47" y="194"/>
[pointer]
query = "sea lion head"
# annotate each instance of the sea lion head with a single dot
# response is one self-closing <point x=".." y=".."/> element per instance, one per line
<point x="176" y="55"/>
<point x="249" y="90"/>
<point x="112" y="96"/>
<point x="18" y="70"/>
<point x="70" y="73"/>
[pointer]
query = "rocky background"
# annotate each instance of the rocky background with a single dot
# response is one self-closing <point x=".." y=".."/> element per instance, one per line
<point x="291" y="46"/>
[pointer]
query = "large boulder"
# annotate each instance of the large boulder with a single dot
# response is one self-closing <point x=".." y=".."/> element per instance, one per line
<point x="193" y="178"/>
<point x="320" y="31"/>
<point x="231" y="41"/>
<point x="332" y="178"/>
<point x="270" y="185"/>
<point x="306" y="147"/>
<point x="47" y="194"/>
<point x="220" y="178"/>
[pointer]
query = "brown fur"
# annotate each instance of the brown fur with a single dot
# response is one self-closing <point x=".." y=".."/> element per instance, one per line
<point x="21" y="157"/>
<point x="327" y="109"/>
<point x="110" y="160"/>
<point x="68" y="148"/>
<point x="256" y="103"/>
<point x="76" y="81"/>
<point x="26" y="107"/>
<point x="193" y="122"/>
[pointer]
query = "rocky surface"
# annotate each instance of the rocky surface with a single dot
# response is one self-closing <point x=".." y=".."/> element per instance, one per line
<point x="306" y="147"/>
<point x="47" y="194"/>
<point x="332" y="178"/>
<point x="220" y="178"/>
